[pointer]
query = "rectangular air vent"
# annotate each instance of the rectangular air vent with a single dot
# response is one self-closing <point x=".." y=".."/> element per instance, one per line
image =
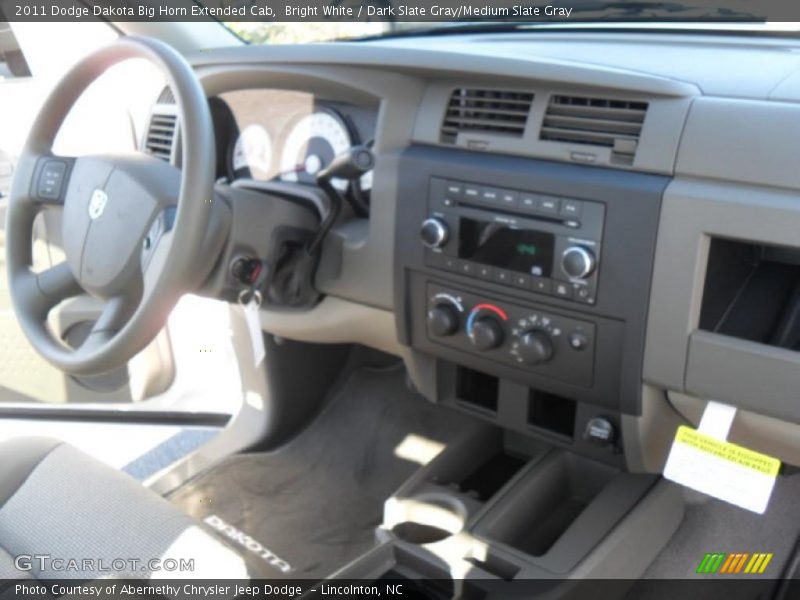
<point x="486" y="111"/>
<point x="614" y="124"/>
<point x="161" y="135"/>
<point x="166" y="96"/>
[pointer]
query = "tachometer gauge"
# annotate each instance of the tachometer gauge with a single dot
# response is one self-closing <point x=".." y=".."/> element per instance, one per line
<point x="252" y="154"/>
<point x="312" y="144"/>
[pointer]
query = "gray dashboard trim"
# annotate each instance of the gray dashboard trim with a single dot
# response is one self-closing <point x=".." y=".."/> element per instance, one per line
<point x="746" y="141"/>
<point x="499" y="60"/>
<point x="678" y="356"/>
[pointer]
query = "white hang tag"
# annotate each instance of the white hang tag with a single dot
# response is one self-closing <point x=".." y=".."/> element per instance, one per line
<point x="251" y="313"/>
<point x="702" y="459"/>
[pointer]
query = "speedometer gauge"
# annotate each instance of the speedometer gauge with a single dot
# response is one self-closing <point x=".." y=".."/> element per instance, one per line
<point x="253" y="153"/>
<point x="312" y="144"/>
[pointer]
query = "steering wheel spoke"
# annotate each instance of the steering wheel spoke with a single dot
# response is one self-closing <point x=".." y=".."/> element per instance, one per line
<point x="116" y="312"/>
<point x="42" y="291"/>
<point x="58" y="283"/>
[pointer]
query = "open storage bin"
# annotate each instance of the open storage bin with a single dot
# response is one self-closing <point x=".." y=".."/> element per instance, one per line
<point x="752" y="292"/>
<point x="562" y="508"/>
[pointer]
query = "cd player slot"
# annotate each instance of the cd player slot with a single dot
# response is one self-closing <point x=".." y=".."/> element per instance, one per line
<point x="572" y="223"/>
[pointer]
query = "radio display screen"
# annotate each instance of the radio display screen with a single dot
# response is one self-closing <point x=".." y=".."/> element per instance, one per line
<point x="500" y="246"/>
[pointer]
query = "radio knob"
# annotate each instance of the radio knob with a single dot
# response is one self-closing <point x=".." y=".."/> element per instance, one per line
<point x="487" y="334"/>
<point x="578" y="262"/>
<point x="434" y="233"/>
<point x="535" y="347"/>
<point x="442" y="320"/>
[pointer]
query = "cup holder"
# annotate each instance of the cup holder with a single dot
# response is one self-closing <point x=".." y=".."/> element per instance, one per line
<point x="429" y="518"/>
<point x="420" y="533"/>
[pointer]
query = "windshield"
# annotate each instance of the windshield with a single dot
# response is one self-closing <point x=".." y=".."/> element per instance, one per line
<point x="387" y="18"/>
<point x="304" y="32"/>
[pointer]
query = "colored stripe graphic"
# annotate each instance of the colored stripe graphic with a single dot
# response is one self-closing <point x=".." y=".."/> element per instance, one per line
<point x="711" y="562"/>
<point x="735" y="563"/>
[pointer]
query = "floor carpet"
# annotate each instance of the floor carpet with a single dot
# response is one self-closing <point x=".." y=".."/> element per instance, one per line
<point x="314" y="504"/>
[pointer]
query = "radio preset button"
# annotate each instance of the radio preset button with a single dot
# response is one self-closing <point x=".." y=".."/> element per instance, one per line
<point x="542" y="285"/>
<point x="562" y="290"/>
<point x="490" y="195"/>
<point x="472" y="192"/>
<point x="502" y="276"/>
<point x="570" y="208"/>
<point x="521" y="280"/>
<point x="509" y="199"/>
<point x="454" y="190"/>
<point x="484" y="272"/>
<point x="548" y="205"/>
<point x="529" y="202"/>
<point x="466" y="267"/>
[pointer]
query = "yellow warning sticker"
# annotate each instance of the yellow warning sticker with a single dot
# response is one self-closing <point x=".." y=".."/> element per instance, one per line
<point x="738" y="455"/>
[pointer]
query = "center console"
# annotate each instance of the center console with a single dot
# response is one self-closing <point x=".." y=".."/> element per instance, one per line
<point x="523" y="288"/>
<point x="504" y="516"/>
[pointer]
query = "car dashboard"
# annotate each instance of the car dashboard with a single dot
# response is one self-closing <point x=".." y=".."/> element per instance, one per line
<point x="565" y="229"/>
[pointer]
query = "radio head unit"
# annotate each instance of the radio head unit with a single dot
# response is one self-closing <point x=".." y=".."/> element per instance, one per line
<point x="545" y="244"/>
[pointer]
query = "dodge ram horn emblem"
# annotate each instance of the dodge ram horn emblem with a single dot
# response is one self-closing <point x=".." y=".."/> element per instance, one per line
<point x="97" y="204"/>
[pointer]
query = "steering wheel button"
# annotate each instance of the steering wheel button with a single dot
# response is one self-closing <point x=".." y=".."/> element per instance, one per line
<point x="50" y="180"/>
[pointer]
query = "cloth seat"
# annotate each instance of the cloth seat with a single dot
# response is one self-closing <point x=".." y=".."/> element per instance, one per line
<point x="65" y="515"/>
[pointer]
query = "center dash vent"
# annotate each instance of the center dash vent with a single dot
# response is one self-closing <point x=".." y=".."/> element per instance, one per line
<point x="615" y="124"/>
<point x="161" y="135"/>
<point x="486" y="111"/>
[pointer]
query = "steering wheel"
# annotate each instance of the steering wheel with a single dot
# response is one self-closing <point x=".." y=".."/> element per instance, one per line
<point x="125" y="241"/>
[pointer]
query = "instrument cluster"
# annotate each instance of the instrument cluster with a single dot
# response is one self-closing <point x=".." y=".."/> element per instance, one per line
<point x="290" y="136"/>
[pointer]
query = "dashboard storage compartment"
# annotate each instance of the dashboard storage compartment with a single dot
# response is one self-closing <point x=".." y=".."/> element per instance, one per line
<point x="752" y="292"/>
<point x="746" y="349"/>
<point x="562" y="508"/>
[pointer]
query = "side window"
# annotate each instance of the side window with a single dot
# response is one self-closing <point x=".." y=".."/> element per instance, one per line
<point x="12" y="62"/>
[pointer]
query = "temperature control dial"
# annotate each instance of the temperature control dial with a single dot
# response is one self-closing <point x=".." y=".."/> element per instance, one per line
<point x="578" y="262"/>
<point x="535" y="347"/>
<point x="487" y="334"/>
<point x="434" y="233"/>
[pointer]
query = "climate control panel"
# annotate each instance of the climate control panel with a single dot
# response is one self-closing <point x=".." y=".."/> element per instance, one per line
<point x="540" y="341"/>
